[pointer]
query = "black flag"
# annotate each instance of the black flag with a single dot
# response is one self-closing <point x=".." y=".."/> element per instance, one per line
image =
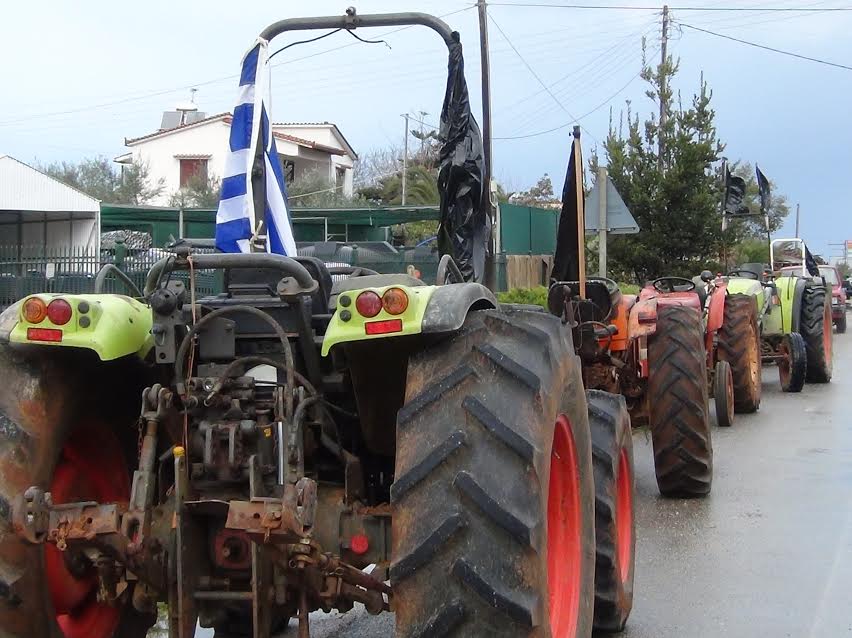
<point x="765" y="194"/>
<point x="566" y="262"/>
<point x="735" y="190"/>
<point x="811" y="264"/>
<point x="464" y="228"/>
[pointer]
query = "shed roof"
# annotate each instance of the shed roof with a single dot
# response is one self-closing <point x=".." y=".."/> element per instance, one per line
<point x="24" y="188"/>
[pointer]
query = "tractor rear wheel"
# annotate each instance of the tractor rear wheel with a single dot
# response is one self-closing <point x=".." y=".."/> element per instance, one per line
<point x="815" y="327"/>
<point x="615" y="524"/>
<point x="678" y="405"/>
<point x="739" y="345"/>
<point x="55" y="438"/>
<point x="493" y="499"/>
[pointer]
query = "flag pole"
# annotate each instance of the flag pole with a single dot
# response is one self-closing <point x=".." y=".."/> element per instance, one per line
<point x="581" y="213"/>
<point x="724" y="218"/>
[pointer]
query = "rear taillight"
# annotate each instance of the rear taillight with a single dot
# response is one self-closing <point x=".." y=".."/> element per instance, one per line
<point x="44" y="334"/>
<point x="35" y="310"/>
<point x="368" y="304"/>
<point x="383" y="327"/>
<point x="59" y="312"/>
<point x="395" y="301"/>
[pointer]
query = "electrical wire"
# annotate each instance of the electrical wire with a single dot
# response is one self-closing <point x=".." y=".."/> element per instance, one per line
<point x="649" y="8"/>
<point x="767" y="48"/>
<point x="535" y="75"/>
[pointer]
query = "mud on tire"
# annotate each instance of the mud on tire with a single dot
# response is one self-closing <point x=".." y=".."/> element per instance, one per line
<point x="815" y="327"/>
<point x="472" y="486"/>
<point x="615" y="524"/>
<point x="739" y="345"/>
<point x="678" y="404"/>
<point x="46" y="401"/>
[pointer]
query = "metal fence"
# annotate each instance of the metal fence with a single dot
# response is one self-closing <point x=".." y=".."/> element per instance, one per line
<point x="25" y="270"/>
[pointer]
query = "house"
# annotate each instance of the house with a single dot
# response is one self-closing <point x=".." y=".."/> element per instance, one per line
<point x="193" y="144"/>
<point x="38" y="212"/>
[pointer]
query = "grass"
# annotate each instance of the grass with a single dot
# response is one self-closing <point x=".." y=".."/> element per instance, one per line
<point x="538" y="296"/>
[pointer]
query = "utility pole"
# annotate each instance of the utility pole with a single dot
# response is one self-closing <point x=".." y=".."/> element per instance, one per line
<point x="602" y="223"/>
<point x="664" y="116"/>
<point x="797" y="219"/>
<point x="405" y="160"/>
<point x="490" y="275"/>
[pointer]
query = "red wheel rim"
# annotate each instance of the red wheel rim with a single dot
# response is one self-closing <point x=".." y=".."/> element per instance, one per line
<point x="564" y="542"/>
<point x="624" y="516"/>
<point x="91" y="467"/>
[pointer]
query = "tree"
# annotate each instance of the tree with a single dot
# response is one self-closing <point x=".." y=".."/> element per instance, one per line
<point x="199" y="192"/>
<point x="99" y="178"/>
<point x="315" y="190"/>
<point x="674" y="198"/>
<point x="541" y="194"/>
<point x="844" y="269"/>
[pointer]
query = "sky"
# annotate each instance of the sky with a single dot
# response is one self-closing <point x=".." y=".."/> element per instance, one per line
<point x="78" y="78"/>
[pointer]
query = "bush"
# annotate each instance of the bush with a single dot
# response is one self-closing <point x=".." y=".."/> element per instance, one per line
<point x="538" y="296"/>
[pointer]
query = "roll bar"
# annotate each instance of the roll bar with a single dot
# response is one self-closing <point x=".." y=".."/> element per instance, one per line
<point x="286" y="266"/>
<point x="353" y="21"/>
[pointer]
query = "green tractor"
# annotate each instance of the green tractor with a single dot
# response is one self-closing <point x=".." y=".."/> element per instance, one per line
<point x="295" y="444"/>
<point x="795" y="313"/>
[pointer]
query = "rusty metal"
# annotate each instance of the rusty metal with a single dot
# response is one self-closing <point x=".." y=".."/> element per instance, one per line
<point x="232" y="550"/>
<point x="265" y="521"/>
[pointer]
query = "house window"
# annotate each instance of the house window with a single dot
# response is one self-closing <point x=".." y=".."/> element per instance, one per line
<point x="339" y="176"/>
<point x="288" y="167"/>
<point x="192" y="168"/>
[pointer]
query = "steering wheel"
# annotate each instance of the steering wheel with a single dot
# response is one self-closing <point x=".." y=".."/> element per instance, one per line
<point x="351" y="271"/>
<point x="673" y="284"/>
<point x="745" y="274"/>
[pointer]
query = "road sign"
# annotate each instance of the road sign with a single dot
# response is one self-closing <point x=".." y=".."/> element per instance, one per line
<point x="619" y="221"/>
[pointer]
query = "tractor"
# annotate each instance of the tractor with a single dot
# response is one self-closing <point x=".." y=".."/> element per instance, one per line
<point x="295" y="444"/>
<point x="795" y="315"/>
<point x="648" y="349"/>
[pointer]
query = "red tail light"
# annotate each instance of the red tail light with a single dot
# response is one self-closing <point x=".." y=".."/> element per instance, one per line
<point x="368" y="304"/>
<point x="35" y="310"/>
<point x="383" y="327"/>
<point x="44" y="334"/>
<point x="59" y="312"/>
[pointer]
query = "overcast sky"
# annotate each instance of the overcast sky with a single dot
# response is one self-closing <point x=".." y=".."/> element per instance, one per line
<point x="79" y="77"/>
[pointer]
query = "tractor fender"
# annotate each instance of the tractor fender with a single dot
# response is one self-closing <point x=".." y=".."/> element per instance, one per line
<point x="620" y="319"/>
<point x="449" y="306"/>
<point x="113" y="326"/>
<point x="716" y="309"/>
<point x="790" y="293"/>
<point x="643" y="318"/>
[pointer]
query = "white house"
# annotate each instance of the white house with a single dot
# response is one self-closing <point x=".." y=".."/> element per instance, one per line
<point x="40" y="212"/>
<point x="191" y="143"/>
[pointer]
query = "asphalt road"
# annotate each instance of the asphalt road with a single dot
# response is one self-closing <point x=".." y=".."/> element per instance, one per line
<point x="769" y="553"/>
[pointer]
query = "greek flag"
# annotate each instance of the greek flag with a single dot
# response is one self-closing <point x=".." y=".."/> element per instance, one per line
<point x="236" y="225"/>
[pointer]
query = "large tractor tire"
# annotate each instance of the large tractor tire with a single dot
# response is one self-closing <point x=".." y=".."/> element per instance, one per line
<point x="840" y="324"/>
<point x="66" y="427"/>
<point x="678" y="404"/>
<point x="615" y="524"/>
<point x="493" y="500"/>
<point x="815" y="326"/>
<point x="739" y="345"/>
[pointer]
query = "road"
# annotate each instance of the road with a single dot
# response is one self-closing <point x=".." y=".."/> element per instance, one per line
<point x="769" y="553"/>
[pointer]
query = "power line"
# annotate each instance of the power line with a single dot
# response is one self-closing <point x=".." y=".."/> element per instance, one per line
<point x="767" y="48"/>
<point x="159" y="92"/>
<point x="648" y="8"/>
<point x="567" y="124"/>
<point x="536" y="76"/>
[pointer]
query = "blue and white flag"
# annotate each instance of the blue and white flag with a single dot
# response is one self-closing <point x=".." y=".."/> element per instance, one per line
<point x="236" y="224"/>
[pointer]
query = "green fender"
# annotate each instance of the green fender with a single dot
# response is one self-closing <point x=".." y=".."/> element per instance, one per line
<point x="431" y="310"/>
<point x="790" y="291"/>
<point x="113" y="326"/>
<point x="743" y="286"/>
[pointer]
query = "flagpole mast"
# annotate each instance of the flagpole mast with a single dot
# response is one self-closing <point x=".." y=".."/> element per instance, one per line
<point x="724" y="219"/>
<point x="490" y="274"/>
<point x="581" y="216"/>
